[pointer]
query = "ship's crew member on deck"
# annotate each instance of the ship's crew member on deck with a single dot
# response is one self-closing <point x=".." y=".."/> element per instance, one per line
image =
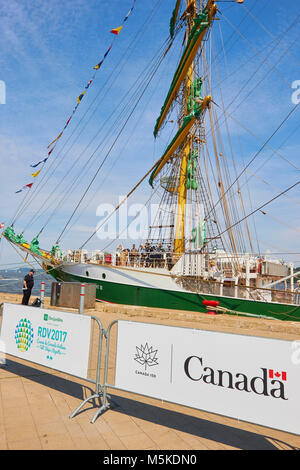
<point x="142" y="258"/>
<point x="133" y="255"/>
<point x="147" y="256"/>
<point x="28" y="284"/>
<point x="118" y="255"/>
<point x="160" y="257"/>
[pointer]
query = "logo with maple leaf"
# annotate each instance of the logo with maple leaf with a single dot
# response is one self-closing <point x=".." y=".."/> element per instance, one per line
<point x="146" y="356"/>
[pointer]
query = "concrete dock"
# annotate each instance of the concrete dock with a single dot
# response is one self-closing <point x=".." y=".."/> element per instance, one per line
<point x="35" y="402"/>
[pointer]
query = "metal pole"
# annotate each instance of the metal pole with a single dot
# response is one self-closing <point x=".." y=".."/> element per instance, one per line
<point x="281" y="280"/>
<point x="105" y="402"/>
<point x="292" y="278"/>
<point x="98" y="390"/>
<point x="81" y="299"/>
<point x="42" y="294"/>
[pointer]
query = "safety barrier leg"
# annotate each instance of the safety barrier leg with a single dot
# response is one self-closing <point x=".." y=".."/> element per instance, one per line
<point x="100" y="391"/>
<point x="105" y="398"/>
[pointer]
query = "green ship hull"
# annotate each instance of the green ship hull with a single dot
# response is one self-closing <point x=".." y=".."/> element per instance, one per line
<point x="126" y="294"/>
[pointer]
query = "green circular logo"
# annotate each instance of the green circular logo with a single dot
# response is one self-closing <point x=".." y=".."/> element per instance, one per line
<point x="24" y="334"/>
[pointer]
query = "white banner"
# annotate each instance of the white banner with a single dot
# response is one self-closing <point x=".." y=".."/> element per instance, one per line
<point x="245" y="377"/>
<point x="59" y="340"/>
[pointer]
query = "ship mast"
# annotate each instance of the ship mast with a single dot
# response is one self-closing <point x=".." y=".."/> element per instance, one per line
<point x="178" y="168"/>
<point x="179" y="244"/>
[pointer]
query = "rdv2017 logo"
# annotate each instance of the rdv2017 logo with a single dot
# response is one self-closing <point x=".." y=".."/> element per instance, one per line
<point x="24" y="334"/>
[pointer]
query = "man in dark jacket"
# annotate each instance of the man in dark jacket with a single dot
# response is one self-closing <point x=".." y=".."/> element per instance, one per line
<point x="27" y="287"/>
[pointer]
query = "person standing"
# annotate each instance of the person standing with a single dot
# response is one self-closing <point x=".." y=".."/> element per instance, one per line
<point x="28" y="284"/>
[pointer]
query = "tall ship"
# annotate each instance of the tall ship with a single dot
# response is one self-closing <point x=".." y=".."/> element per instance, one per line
<point x="194" y="257"/>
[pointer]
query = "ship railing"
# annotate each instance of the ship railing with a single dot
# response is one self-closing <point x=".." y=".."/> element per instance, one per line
<point x="134" y="259"/>
<point x="145" y="259"/>
<point x="232" y="289"/>
<point x="155" y="259"/>
<point x="140" y="259"/>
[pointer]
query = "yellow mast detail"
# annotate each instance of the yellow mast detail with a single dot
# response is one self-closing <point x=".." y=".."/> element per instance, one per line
<point x="212" y="9"/>
<point x="179" y="245"/>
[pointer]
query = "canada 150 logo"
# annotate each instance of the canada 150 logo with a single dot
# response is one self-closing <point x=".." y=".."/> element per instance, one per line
<point x="146" y="356"/>
<point x="24" y="335"/>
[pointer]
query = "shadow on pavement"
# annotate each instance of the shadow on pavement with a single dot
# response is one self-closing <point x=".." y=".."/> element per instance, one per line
<point x="221" y="433"/>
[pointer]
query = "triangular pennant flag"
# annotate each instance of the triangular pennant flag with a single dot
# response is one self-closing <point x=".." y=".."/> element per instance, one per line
<point x="97" y="67"/>
<point x="34" y="175"/>
<point x="107" y="51"/>
<point x="67" y="123"/>
<point x="79" y="98"/>
<point x="88" y="84"/>
<point x="116" y="30"/>
<point x="37" y="164"/>
<point x="50" y="151"/>
<point x="24" y="187"/>
<point x="58" y="137"/>
<point x="128" y="14"/>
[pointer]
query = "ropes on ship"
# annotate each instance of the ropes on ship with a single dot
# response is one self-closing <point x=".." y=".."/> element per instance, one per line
<point x="110" y="133"/>
<point x="113" y="144"/>
<point x="229" y="200"/>
<point x="263" y="205"/>
<point x="103" y="91"/>
<point x="260" y="150"/>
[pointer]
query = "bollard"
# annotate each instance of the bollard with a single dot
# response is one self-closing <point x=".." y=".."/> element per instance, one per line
<point x="211" y="306"/>
<point x="81" y="300"/>
<point x="42" y="294"/>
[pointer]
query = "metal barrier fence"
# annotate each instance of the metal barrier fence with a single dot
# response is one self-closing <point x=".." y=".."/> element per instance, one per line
<point x="249" y="378"/>
<point x="96" y="381"/>
<point x="201" y="369"/>
<point x="61" y="341"/>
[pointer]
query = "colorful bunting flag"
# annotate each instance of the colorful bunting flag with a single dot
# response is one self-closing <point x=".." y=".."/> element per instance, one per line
<point x="128" y="14"/>
<point x="79" y="98"/>
<point x="107" y="51"/>
<point x="58" y="137"/>
<point x="37" y="164"/>
<point x="97" y="67"/>
<point x="2" y="225"/>
<point x="116" y="31"/>
<point x="24" y="187"/>
<point x="88" y="84"/>
<point x="68" y="122"/>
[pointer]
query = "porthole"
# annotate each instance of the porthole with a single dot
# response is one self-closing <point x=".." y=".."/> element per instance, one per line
<point x="87" y="273"/>
<point x="103" y="276"/>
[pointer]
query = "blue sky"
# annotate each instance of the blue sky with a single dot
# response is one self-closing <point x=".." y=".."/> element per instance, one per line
<point x="48" y="50"/>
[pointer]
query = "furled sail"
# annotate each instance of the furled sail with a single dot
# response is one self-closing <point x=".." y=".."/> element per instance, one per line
<point x="201" y="24"/>
<point x="181" y="134"/>
<point x="174" y="18"/>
